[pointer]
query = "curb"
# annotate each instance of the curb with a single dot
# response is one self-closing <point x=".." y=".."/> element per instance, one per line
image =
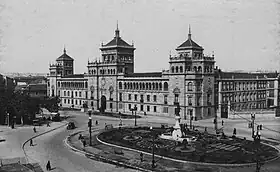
<point x="191" y="162"/>
<point x="98" y="156"/>
<point x="40" y="135"/>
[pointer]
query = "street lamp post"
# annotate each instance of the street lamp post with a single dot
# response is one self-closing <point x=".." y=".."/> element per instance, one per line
<point x="153" y="149"/>
<point x="257" y="140"/>
<point x="89" y="125"/>
<point x="135" y="109"/>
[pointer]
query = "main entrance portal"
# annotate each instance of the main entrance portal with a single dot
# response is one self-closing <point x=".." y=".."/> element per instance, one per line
<point x="103" y="104"/>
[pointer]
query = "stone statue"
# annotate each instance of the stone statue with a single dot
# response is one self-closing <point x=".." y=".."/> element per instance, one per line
<point x="177" y="110"/>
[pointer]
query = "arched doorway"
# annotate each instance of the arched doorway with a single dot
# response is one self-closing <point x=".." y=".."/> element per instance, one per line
<point x="103" y="104"/>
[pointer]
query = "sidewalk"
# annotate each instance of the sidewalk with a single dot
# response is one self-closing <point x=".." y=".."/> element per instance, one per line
<point x="11" y="148"/>
<point x="132" y="158"/>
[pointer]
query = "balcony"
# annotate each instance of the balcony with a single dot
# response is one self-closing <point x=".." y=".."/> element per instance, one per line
<point x="141" y="101"/>
<point x="111" y="99"/>
<point x="176" y="103"/>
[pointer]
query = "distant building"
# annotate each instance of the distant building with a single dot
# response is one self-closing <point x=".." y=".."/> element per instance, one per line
<point x="34" y="90"/>
<point x="192" y="81"/>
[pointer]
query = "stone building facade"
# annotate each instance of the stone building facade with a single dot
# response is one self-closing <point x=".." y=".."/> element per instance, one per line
<point x="192" y="81"/>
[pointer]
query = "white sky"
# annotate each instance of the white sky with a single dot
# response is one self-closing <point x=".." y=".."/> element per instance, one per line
<point x="245" y="34"/>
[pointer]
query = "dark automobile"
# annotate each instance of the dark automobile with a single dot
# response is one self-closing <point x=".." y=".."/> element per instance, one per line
<point x="71" y="126"/>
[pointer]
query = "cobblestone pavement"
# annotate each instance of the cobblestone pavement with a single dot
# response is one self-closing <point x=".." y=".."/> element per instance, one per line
<point x="11" y="148"/>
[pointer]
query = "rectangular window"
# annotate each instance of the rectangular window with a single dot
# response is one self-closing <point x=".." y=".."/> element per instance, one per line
<point x="165" y="110"/>
<point x="165" y="99"/>
<point x="80" y="102"/>
<point x="141" y="107"/>
<point x="129" y="106"/>
<point x="68" y="101"/>
<point x="141" y="98"/>
<point x="190" y="101"/>
<point x="64" y="101"/>
<point x="120" y="96"/>
<point x="80" y="94"/>
<point x="129" y="96"/>
<point x="76" y="102"/>
<point x="155" y="98"/>
<point x="135" y="97"/>
<point x="120" y="105"/>
<point x="148" y="108"/>
<point x="111" y="105"/>
<point x="64" y="93"/>
<point x="148" y="98"/>
<point x="76" y="94"/>
<point x="86" y="94"/>
<point x="155" y="109"/>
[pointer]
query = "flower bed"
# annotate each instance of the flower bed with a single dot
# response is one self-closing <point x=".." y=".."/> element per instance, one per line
<point x="207" y="148"/>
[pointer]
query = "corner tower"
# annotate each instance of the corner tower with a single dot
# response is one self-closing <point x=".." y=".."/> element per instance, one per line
<point x="192" y="73"/>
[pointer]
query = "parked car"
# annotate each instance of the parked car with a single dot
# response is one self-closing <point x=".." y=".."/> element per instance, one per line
<point x="71" y="126"/>
<point x="55" y="117"/>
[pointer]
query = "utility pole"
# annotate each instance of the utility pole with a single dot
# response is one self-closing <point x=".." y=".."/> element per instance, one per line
<point x="153" y="150"/>
<point x="89" y="125"/>
<point x="135" y="109"/>
<point x="253" y="126"/>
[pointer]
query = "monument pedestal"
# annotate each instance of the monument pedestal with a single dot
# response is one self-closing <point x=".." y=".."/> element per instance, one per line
<point x="177" y="133"/>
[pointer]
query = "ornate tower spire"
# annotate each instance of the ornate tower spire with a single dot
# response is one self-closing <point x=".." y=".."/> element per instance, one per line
<point x="190" y="35"/>
<point x="64" y="50"/>
<point x="117" y="31"/>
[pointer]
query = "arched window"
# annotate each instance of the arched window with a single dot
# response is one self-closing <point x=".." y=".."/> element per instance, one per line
<point x="109" y="71"/>
<point x="120" y="85"/>
<point x="199" y="69"/>
<point x="143" y="86"/>
<point x="165" y="86"/>
<point x="181" y="69"/>
<point x="160" y="86"/>
<point x="153" y="88"/>
<point x="114" y="71"/>
<point x="150" y="86"/>
<point x="136" y="86"/>
<point x="68" y="93"/>
<point x="94" y="71"/>
<point x="172" y="69"/>
<point x="125" y="85"/>
<point x="190" y="86"/>
<point x="147" y="86"/>
<point x="195" y="69"/>
<point x="156" y="86"/>
<point x="130" y="85"/>
<point x="177" y="69"/>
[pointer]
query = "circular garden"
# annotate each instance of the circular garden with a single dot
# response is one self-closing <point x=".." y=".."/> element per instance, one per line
<point x="207" y="148"/>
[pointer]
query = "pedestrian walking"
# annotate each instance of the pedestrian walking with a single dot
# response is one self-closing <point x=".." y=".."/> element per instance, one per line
<point x="31" y="142"/>
<point x="84" y="143"/>
<point x="234" y="131"/>
<point x="34" y="129"/>
<point x="141" y="157"/>
<point x="48" y="166"/>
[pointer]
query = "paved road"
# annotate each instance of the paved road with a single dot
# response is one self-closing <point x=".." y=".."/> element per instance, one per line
<point x="51" y="147"/>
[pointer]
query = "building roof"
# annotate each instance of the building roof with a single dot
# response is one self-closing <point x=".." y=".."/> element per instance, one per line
<point x="74" y="76"/>
<point x="64" y="56"/>
<point x="148" y="74"/>
<point x="189" y="43"/>
<point x="117" y="41"/>
<point x="247" y="75"/>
